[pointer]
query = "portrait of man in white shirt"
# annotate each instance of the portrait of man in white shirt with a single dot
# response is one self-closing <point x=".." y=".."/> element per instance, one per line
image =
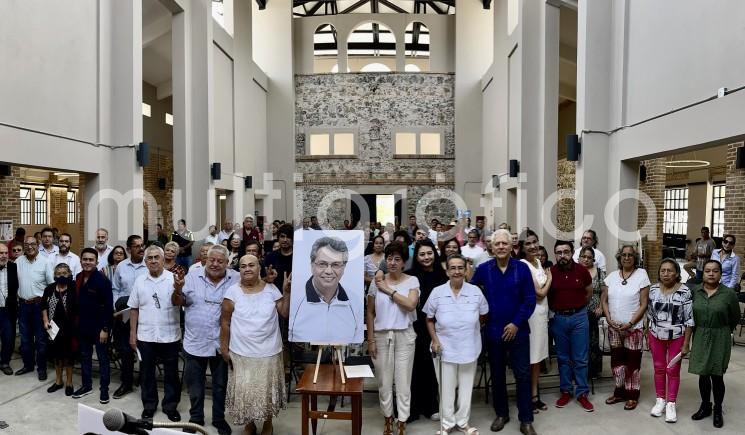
<point x="327" y="306"/>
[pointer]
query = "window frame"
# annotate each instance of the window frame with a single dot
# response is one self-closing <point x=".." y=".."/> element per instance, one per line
<point x="332" y="132"/>
<point x="71" y="215"/>
<point x="675" y="205"/>
<point x="418" y="131"/>
<point x="715" y="224"/>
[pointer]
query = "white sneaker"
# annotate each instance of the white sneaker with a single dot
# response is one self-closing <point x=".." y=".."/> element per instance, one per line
<point x="435" y="416"/>
<point x="671" y="416"/>
<point x="658" y="408"/>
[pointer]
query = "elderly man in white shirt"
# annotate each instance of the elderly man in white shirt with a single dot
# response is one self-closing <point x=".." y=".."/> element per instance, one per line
<point x="201" y="297"/>
<point x="34" y="274"/>
<point x="102" y="247"/>
<point x="64" y="255"/>
<point x="202" y="263"/>
<point x="590" y="238"/>
<point x="124" y="278"/>
<point x="155" y="332"/>
<point x="326" y="314"/>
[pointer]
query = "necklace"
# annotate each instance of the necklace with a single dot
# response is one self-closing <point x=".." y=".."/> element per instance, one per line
<point x="625" y="278"/>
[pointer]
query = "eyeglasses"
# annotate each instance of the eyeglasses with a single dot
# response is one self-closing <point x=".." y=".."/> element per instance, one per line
<point x="337" y="265"/>
<point x="587" y="257"/>
<point x="152" y="258"/>
<point x="564" y="253"/>
<point x="728" y="242"/>
<point x="626" y="255"/>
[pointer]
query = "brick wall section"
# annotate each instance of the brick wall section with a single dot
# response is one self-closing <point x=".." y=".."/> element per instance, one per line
<point x="734" y="211"/>
<point x="10" y="204"/>
<point x="161" y="166"/>
<point x="655" y="188"/>
<point x="566" y="178"/>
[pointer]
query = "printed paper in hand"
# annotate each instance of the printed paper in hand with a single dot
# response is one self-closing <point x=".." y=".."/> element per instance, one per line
<point x="362" y="371"/>
<point x="124" y="314"/>
<point x="53" y="330"/>
<point x="675" y="360"/>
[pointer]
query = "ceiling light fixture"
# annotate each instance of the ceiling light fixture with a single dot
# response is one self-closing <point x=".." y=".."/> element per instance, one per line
<point x="687" y="164"/>
<point x="65" y="174"/>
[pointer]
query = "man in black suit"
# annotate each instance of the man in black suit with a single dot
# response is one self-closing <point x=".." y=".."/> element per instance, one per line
<point x="8" y="308"/>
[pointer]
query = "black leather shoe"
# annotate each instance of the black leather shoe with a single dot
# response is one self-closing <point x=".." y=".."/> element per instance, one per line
<point x="718" y="419"/>
<point x="527" y="429"/>
<point x="223" y="428"/>
<point x="55" y="387"/>
<point x="122" y="391"/>
<point x="173" y="415"/>
<point x="43" y="376"/>
<point x="703" y="411"/>
<point x="6" y="370"/>
<point x="147" y="414"/>
<point x="498" y="423"/>
<point x="24" y="370"/>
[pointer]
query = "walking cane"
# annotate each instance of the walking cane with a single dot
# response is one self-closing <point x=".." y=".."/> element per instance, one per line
<point x="439" y="386"/>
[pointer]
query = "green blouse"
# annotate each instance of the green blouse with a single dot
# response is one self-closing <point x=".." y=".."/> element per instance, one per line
<point x="715" y="317"/>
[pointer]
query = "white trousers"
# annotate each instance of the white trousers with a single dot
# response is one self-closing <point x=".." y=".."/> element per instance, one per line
<point x="395" y="362"/>
<point x="460" y="377"/>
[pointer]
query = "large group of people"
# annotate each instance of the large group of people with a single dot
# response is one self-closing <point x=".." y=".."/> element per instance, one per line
<point x="434" y="295"/>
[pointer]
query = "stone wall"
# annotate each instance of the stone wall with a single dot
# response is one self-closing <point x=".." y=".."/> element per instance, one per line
<point x="10" y="203"/>
<point x="375" y="106"/>
<point x="734" y="212"/>
<point x="654" y="186"/>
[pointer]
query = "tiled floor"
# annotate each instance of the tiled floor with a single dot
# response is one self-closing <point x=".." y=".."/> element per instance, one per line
<point x="29" y="409"/>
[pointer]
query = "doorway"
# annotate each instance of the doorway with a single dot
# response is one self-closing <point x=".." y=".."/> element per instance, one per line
<point x="383" y="208"/>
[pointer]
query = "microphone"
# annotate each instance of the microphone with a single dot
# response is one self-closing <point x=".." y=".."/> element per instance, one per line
<point x="117" y="421"/>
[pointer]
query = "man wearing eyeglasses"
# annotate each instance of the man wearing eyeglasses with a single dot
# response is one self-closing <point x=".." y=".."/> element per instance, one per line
<point x="125" y="276"/>
<point x="730" y="261"/>
<point x="326" y="314"/>
<point x="201" y="297"/>
<point x="155" y="333"/>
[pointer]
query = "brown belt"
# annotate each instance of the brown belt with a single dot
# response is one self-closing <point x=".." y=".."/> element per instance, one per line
<point x="31" y="301"/>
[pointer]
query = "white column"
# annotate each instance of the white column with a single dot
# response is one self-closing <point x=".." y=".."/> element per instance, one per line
<point x="192" y="111"/>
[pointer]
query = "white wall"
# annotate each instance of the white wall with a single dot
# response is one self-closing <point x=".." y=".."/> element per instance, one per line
<point x="274" y="57"/>
<point x="49" y="66"/>
<point x="441" y="29"/>
<point x="222" y="115"/>
<point x="473" y="48"/>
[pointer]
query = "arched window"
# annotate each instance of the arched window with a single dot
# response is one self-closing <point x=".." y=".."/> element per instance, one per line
<point x="325" y="49"/>
<point x="417" y="46"/>
<point x="375" y="67"/>
<point x="371" y="43"/>
<point x="410" y="67"/>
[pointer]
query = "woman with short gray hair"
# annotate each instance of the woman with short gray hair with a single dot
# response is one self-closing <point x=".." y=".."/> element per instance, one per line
<point x="59" y="306"/>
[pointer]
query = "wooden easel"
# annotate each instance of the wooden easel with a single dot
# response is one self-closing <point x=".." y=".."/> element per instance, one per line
<point x="335" y="353"/>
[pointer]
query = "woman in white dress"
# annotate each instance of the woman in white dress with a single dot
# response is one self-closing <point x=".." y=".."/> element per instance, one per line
<point x="539" y="319"/>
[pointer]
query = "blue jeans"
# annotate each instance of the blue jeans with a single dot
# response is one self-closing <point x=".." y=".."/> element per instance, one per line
<point x="33" y="337"/>
<point x="572" y="337"/>
<point x="7" y="336"/>
<point x="167" y="354"/>
<point x="519" y="357"/>
<point x="87" y="342"/>
<point x="195" y="371"/>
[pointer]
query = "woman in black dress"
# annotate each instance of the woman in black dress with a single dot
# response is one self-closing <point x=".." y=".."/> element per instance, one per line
<point x="59" y="306"/>
<point x="426" y="267"/>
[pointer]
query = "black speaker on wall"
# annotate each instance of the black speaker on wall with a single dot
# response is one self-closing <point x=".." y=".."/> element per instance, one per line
<point x="216" y="170"/>
<point x="514" y="168"/>
<point x="574" y="147"/>
<point x="643" y="173"/>
<point x="143" y="154"/>
<point x="4" y="170"/>
<point x="248" y="182"/>
<point x="740" y="160"/>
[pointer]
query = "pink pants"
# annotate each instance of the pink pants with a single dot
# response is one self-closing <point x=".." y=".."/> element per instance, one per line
<point x="662" y="352"/>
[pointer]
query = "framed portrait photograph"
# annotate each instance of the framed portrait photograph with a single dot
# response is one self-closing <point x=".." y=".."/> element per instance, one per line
<point x="327" y="303"/>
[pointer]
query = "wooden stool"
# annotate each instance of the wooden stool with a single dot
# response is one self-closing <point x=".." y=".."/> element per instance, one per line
<point x="329" y="384"/>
